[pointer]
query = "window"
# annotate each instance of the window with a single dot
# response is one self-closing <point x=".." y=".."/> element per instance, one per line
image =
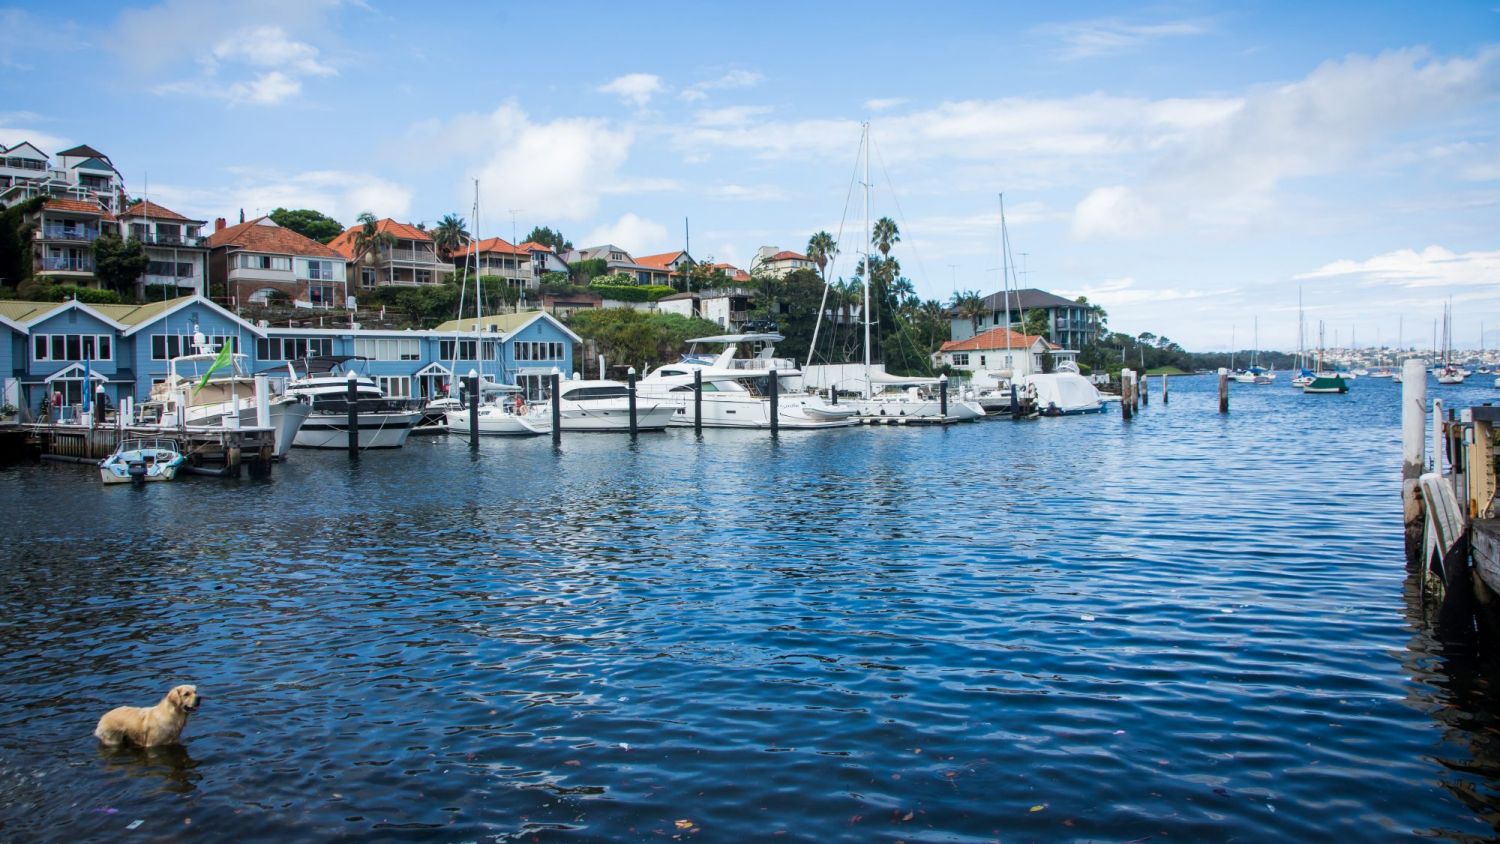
<point x="395" y="386"/>
<point x="320" y="294"/>
<point x="424" y="276"/>
<point x="265" y="262"/>
<point x="532" y="350"/>
<point x="71" y="347"/>
<point x="394" y="348"/>
<point x="292" y="348"/>
<point x="170" y="268"/>
<point x="138" y="231"/>
<point x="465" y="350"/>
<point x="960" y="358"/>
<point x="981" y="360"/>
<point x="320" y="270"/>
<point x="168" y="346"/>
<point x="367" y="276"/>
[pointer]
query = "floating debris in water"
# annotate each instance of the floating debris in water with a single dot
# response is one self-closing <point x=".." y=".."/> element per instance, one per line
<point x="134" y="824"/>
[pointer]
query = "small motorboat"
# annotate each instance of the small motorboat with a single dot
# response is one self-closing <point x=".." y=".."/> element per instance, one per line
<point x="141" y="460"/>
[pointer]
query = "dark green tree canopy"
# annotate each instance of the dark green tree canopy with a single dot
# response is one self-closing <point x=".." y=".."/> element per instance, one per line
<point x="118" y="264"/>
<point x="547" y="237"/>
<point x="308" y="223"/>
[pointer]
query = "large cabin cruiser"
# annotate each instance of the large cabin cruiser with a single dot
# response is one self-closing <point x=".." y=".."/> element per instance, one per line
<point x="736" y="391"/>
<point x="605" y="406"/>
<point x="184" y="398"/>
<point x="900" y="397"/>
<point x="324" y="382"/>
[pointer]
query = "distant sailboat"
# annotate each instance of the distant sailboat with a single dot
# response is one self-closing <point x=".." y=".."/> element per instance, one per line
<point x="1325" y="382"/>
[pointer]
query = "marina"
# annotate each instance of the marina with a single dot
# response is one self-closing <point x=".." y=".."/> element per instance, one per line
<point x="820" y="635"/>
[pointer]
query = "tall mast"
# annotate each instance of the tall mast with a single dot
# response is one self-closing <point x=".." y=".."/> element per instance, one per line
<point x="869" y="265"/>
<point x="478" y="285"/>
<point x="1005" y="281"/>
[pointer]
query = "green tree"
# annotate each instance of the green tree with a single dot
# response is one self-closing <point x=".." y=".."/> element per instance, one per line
<point x="635" y="338"/>
<point x="585" y="271"/>
<point x="308" y="223"/>
<point x="547" y="237"/>
<point x="969" y="304"/>
<point x="119" y="264"/>
<point x="1037" y="323"/>
<point x="449" y="234"/>
<point x="370" y="240"/>
<point x="885" y="235"/>
<point x="15" y="241"/>
<point x="822" y="248"/>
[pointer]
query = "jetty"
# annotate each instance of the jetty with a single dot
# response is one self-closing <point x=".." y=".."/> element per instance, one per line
<point x="210" y="450"/>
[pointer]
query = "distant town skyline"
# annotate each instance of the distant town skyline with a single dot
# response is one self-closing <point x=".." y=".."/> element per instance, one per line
<point x="1189" y="166"/>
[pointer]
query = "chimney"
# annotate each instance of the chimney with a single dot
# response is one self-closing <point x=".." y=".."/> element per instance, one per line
<point x="219" y="224"/>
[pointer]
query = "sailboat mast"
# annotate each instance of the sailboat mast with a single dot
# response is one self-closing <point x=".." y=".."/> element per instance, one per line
<point x="478" y="286"/>
<point x="1005" y="283"/>
<point x="869" y="265"/>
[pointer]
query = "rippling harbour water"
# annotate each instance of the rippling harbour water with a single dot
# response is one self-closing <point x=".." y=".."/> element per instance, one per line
<point x="1186" y="627"/>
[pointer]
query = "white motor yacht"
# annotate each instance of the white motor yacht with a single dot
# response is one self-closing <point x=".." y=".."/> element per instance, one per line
<point x="324" y="382"/>
<point x="736" y="391"/>
<point x="184" y="398"/>
<point x="605" y="406"/>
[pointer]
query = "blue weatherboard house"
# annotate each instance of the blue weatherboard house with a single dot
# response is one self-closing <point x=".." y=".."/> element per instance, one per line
<point x="51" y="350"/>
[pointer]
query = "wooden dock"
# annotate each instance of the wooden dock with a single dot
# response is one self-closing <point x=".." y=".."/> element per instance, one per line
<point x="230" y="450"/>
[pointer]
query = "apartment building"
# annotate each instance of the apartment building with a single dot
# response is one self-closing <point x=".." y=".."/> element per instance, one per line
<point x="175" y="247"/>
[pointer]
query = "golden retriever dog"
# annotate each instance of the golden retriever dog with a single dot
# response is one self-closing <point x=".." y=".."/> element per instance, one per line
<point x="150" y="726"/>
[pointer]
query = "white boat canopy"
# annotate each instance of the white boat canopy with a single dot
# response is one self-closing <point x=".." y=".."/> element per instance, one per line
<point x="739" y="338"/>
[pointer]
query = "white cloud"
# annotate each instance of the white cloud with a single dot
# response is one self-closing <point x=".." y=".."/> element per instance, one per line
<point x="731" y="80"/>
<point x="635" y="234"/>
<point x="730" y="116"/>
<point x="555" y="171"/>
<point x="748" y="193"/>
<point x="883" y="104"/>
<point x="1434" y="266"/>
<point x="341" y="194"/>
<point x="633" y="88"/>
<point x="1115" y="211"/>
<point x="262" y="53"/>
<point x="16" y="127"/>
<point x="1107" y="36"/>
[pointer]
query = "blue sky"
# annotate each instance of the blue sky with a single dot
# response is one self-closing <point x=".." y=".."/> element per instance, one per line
<point x="1188" y="165"/>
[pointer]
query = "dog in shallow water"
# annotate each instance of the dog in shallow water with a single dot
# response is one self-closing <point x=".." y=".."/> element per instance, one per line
<point x="150" y="726"/>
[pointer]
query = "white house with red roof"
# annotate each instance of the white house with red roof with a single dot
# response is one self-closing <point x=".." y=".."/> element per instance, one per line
<point x="495" y="256"/>
<point x="63" y="245"/>
<point x="775" y="261"/>
<point x="175" y="246"/>
<point x="258" y="261"/>
<point x="412" y="259"/>
<point x="999" y="354"/>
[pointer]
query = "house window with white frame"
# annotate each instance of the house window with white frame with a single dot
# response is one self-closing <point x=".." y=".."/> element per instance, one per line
<point x="367" y="276"/>
<point x="959" y="358"/>
<point x="71" y="347"/>
<point x="320" y="270"/>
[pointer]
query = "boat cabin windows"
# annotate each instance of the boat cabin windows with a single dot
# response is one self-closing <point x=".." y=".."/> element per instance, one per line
<point x="530" y="350"/>
<point x="708" y="387"/>
<point x="292" y="348"/>
<point x="388" y="348"/>
<point x="71" y="347"/>
<point x="586" y="393"/>
<point x="168" y="346"/>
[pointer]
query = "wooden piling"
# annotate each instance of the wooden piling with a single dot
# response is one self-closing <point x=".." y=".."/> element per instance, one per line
<point x="473" y="384"/>
<point x="353" y="414"/>
<point x="698" y="402"/>
<point x="1127" y="406"/>
<point x="1145" y="388"/>
<point x="1165" y="396"/>
<point x="630" y="394"/>
<point x="775" y="408"/>
<point x="557" y="407"/>
<point x="1223" y="391"/>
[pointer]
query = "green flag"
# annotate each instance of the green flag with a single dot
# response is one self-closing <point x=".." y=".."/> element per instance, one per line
<point x="226" y="355"/>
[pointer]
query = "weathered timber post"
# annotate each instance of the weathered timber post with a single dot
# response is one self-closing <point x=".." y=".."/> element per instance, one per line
<point x="630" y="394"/>
<point x="1223" y="390"/>
<point x="698" y="402"/>
<point x="943" y="395"/>
<point x="557" y="406"/>
<point x="352" y="400"/>
<point x="1145" y="388"/>
<point x="1127" y="406"/>
<point x="775" y="381"/>
<point x="473" y="384"/>
<point x="1165" y="396"/>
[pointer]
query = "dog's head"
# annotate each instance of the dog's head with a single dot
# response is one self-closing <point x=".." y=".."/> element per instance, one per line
<point x="185" y="698"/>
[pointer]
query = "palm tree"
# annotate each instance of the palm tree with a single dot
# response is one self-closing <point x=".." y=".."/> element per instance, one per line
<point x="970" y="305"/>
<point x="885" y="235"/>
<point x="449" y="234"/>
<point x="370" y="240"/>
<point x="821" y="247"/>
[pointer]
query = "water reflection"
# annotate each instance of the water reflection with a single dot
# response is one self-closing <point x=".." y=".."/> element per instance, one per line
<point x="172" y="765"/>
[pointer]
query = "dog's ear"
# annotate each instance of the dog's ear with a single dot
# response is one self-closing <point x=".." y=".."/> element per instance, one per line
<point x="175" y="696"/>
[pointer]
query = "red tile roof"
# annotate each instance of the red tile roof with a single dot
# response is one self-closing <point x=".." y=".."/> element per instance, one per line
<point x="147" y="208"/>
<point x="344" y="243"/>
<point x="993" y="339"/>
<point x="786" y="255"/>
<point x="660" y="261"/>
<point x="494" y="244"/>
<point x="735" y="273"/>
<point x="254" y="237"/>
<point x="77" y="206"/>
<point x="533" y="246"/>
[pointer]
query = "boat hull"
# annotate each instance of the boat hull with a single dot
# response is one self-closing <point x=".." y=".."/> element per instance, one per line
<point x="496" y="423"/>
<point x="614" y="416"/>
<point x="376" y="430"/>
<point x="732" y="410"/>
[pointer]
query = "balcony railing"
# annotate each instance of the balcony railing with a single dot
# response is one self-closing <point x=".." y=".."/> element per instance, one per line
<point x="58" y="264"/>
<point x="171" y="240"/>
<point x="417" y="255"/>
<point x="69" y="233"/>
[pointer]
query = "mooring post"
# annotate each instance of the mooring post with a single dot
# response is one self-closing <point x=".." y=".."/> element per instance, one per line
<point x="698" y="402"/>
<point x="775" y="403"/>
<point x="557" y="406"/>
<point x="1437" y="435"/>
<point x="943" y="395"/>
<point x="630" y="393"/>
<point x="1223" y="390"/>
<point x="1127" y="402"/>
<point x="472" y="382"/>
<point x="1165" y="396"/>
<point x="352" y="400"/>
<point x="1015" y="402"/>
<point x="262" y="401"/>
<point x="1145" y="388"/>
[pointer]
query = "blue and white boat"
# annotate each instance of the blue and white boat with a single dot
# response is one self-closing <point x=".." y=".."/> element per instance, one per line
<point x="141" y="460"/>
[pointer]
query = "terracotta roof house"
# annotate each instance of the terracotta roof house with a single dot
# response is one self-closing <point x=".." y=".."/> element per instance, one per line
<point x="63" y="246"/>
<point x="544" y="259"/>
<point x="999" y="353"/>
<point x="258" y="261"/>
<point x="617" y="260"/>
<point x="411" y="260"/>
<point x="778" y="262"/>
<point x="175" y="248"/>
<point x="1070" y="324"/>
<point x="495" y="256"/>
